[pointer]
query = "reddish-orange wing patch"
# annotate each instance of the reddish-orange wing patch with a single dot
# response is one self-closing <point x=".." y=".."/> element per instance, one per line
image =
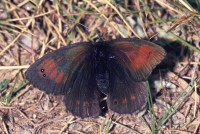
<point x="59" y="78"/>
<point x="50" y="70"/>
<point x="140" y="59"/>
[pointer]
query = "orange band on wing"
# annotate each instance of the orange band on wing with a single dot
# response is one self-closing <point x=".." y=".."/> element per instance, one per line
<point x="140" y="59"/>
<point x="49" y="65"/>
<point x="142" y="55"/>
<point x="53" y="74"/>
<point x="59" y="78"/>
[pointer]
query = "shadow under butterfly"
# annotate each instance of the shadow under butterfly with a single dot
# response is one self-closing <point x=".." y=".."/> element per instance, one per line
<point x="82" y="71"/>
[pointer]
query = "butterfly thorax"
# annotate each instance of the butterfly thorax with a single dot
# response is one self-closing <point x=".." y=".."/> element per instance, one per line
<point x="102" y="76"/>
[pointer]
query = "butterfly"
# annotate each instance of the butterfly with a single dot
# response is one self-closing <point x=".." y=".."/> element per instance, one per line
<point x="82" y="71"/>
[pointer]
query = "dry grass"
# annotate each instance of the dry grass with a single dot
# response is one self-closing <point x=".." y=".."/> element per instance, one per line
<point x="30" y="28"/>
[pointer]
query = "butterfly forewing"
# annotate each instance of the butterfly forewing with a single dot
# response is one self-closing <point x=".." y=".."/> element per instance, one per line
<point x="139" y="56"/>
<point x="52" y="72"/>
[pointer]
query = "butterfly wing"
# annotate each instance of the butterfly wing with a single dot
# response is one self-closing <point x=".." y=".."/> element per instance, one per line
<point x="139" y="56"/>
<point x="52" y="72"/>
<point x="125" y="96"/>
<point x="131" y="62"/>
<point x="68" y="71"/>
<point x="82" y="99"/>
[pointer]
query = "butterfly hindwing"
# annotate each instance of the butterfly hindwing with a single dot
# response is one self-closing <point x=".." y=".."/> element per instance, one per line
<point x="52" y="72"/>
<point x="139" y="56"/>
<point x="82" y="98"/>
<point x="125" y="96"/>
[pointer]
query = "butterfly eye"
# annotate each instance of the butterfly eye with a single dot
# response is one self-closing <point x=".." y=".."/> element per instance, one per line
<point x="42" y="70"/>
<point x="44" y="75"/>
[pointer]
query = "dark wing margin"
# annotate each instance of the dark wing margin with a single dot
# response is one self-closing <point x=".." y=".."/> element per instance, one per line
<point x="139" y="56"/>
<point x="82" y="98"/>
<point x="52" y="72"/>
<point x="125" y="95"/>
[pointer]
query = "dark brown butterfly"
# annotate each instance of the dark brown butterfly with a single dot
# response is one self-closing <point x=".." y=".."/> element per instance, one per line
<point x="117" y="68"/>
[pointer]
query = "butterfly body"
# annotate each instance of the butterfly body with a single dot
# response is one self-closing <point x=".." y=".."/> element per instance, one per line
<point x="117" y="68"/>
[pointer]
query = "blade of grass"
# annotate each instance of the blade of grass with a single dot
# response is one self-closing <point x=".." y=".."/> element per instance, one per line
<point x="152" y="113"/>
<point x="4" y="85"/>
<point x="107" y="126"/>
<point x="184" y="43"/>
<point x="14" y="91"/>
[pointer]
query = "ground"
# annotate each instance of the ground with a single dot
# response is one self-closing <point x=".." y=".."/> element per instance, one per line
<point x="29" y="29"/>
